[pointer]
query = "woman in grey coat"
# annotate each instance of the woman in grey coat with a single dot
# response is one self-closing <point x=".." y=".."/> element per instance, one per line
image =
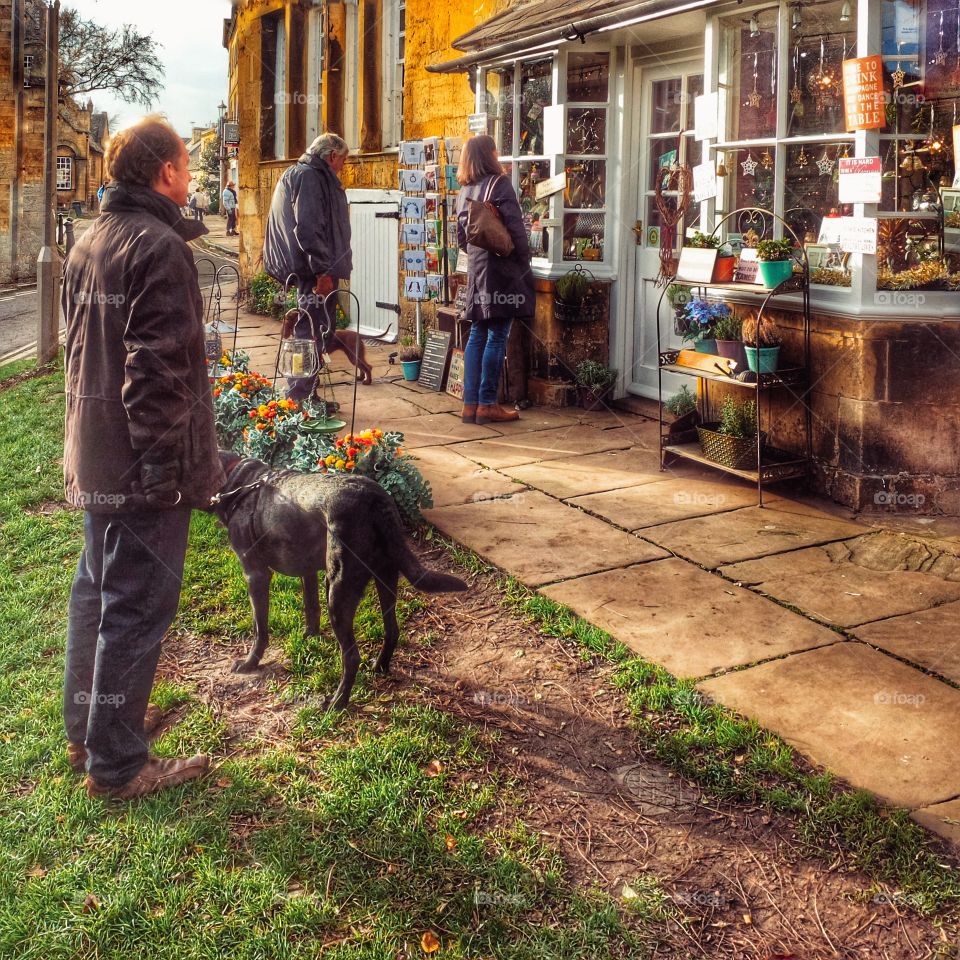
<point x="499" y="289"/>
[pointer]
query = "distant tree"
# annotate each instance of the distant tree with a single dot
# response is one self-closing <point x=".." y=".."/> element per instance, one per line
<point x="94" y="57"/>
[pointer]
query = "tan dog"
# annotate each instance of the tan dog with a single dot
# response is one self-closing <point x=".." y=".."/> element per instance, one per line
<point x="351" y="343"/>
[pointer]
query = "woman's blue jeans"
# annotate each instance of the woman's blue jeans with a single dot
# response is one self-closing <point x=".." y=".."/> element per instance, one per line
<point x="483" y="361"/>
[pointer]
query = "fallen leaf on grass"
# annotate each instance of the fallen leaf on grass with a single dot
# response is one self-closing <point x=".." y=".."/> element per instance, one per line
<point x="433" y="769"/>
<point x="91" y="902"/>
<point x="747" y="918"/>
<point x="629" y="893"/>
<point x="36" y="871"/>
<point x="451" y="842"/>
<point x="429" y="942"/>
<point x="223" y="783"/>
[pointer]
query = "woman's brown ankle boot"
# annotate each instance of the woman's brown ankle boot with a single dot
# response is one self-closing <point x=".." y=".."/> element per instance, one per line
<point x="469" y="413"/>
<point x="494" y="413"/>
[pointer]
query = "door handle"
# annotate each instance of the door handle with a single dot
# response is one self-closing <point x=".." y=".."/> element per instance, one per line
<point x="638" y="232"/>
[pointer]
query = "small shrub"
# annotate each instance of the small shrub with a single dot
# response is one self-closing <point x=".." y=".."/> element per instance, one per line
<point x="738" y="418"/>
<point x="595" y="376"/>
<point x="681" y="403"/>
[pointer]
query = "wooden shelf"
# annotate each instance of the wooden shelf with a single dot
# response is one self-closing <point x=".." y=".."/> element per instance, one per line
<point x="777" y="464"/>
<point x="788" y="377"/>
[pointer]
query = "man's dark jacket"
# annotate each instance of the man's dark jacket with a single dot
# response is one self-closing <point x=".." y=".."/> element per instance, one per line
<point x="498" y="288"/>
<point x="136" y="374"/>
<point x="308" y="230"/>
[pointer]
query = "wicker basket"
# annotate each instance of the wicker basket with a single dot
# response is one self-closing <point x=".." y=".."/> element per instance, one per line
<point x="729" y="451"/>
<point x="586" y="312"/>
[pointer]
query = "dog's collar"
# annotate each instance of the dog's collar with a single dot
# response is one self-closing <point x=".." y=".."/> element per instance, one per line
<point x="218" y="499"/>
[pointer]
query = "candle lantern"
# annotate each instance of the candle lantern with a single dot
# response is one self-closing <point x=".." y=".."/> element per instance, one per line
<point x="298" y="356"/>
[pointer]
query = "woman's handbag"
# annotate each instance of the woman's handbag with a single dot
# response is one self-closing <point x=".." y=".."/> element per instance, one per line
<point x="485" y="228"/>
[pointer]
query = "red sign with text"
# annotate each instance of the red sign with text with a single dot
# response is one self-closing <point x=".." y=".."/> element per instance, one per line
<point x="864" y="105"/>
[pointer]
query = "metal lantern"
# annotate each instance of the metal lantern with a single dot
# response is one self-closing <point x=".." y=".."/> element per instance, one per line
<point x="298" y="356"/>
<point x="212" y="342"/>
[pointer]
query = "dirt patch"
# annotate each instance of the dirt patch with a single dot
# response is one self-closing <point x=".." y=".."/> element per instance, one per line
<point x="32" y="374"/>
<point x="563" y="733"/>
<point x="47" y="508"/>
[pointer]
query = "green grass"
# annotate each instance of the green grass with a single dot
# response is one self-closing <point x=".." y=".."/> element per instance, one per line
<point x="734" y="759"/>
<point x="334" y="842"/>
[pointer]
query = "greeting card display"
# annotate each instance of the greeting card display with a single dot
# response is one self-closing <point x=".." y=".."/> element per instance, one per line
<point x="411" y="234"/>
<point x="411" y="153"/>
<point x="450" y="171"/>
<point x="432" y="206"/>
<point x="433" y="231"/>
<point x="415" y="288"/>
<point x="431" y="150"/>
<point x="430" y="174"/>
<point x="414" y="261"/>
<point x="433" y="259"/>
<point x="454" y="147"/>
<point x="412" y="181"/>
<point x="412" y="208"/>
<point x="434" y="286"/>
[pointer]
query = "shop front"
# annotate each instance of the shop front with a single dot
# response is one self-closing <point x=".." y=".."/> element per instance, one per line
<point x="612" y="99"/>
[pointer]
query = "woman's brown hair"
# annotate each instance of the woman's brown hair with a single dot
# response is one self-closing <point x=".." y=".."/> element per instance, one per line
<point x="478" y="160"/>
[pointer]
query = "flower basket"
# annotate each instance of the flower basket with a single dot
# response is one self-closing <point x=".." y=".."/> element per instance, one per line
<point x="586" y="312"/>
<point x="729" y="451"/>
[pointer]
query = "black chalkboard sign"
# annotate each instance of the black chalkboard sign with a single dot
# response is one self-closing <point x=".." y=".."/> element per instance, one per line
<point x="433" y="366"/>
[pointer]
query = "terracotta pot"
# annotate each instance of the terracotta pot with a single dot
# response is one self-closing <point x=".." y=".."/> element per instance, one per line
<point x="591" y="400"/>
<point x="723" y="269"/>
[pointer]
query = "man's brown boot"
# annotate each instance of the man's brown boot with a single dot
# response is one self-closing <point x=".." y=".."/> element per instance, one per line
<point x="158" y="773"/>
<point x="469" y="413"/>
<point x="77" y="752"/>
<point x="494" y="413"/>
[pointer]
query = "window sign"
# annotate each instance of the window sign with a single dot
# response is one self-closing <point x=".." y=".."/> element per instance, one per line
<point x="860" y="179"/>
<point x="863" y="101"/>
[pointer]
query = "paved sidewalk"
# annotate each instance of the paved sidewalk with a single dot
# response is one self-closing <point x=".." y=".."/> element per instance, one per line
<point x="217" y="238"/>
<point x="840" y="634"/>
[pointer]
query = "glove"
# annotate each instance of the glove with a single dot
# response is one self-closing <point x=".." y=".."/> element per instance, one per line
<point x="324" y="285"/>
<point x="160" y="477"/>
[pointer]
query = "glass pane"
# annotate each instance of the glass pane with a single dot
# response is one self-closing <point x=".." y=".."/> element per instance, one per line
<point x="586" y="184"/>
<point x="531" y="172"/>
<point x="693" y="151"/>
<point x="536" y="92"/>
<point x="748" y="72"/>
<point x="500" y="108"/>
<point x="905" y="245"/>
<point x="663" y="153"/>
<point x="812" y="186"/>
<point x="749" y="183"/>
<point x="913" y="170"/>
<point x="588" y="77"/>
<point x="667" y="101"/>
<point x="583" y="236"/>
<point x="694" y="89"/>
<point x="587" y="130"/>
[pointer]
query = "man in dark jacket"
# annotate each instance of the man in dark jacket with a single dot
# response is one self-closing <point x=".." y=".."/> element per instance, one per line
<point x="308" y="240"/>
<point x="140" y="451"/>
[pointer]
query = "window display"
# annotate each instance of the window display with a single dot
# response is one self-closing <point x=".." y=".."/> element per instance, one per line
<point x="749" y="74"/>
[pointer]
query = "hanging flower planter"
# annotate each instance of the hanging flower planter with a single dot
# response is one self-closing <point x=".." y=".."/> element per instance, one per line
<point x="573" y="300"/>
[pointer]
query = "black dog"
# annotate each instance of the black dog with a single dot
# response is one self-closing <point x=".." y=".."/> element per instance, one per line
<point x="298" y="523"/>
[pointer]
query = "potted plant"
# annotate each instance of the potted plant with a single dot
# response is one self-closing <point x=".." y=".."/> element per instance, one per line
<point x="678" y="296"/>
<point x="701" y="316"/>
<point x="410" y="355"/>
<point x="728" y="332"/>
<point x="594" y="382"/>
<point x="682" y="406"/>
<point x="732" y="440"/>
<point x="776" y="262"/>
<point x="761" y="341"/>
<point x="725" y="262"/>
<point x="571" y="298"/>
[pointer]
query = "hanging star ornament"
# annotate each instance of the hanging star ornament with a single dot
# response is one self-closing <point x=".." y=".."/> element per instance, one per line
<point x="755" y="99"/>
<point x="940" y="58"/>
<point x="825" y="165"/>
<point x="749" y="166"/>
<point x="795" y="94"/>
<point x="898" y="78"/>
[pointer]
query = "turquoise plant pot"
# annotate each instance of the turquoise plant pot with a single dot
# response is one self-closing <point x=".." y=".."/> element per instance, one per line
<point x="763" y="359"/>
<point x="774" y="272"/>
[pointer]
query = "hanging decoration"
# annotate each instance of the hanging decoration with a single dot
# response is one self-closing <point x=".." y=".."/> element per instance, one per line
<point x="755" y="98"/>
<point x="766" y="159"/>
<point x="820" y="82"/>
<point x="796" y="92"/>
<point x="803" y="160"/>
<point x="749" y="166"/>
<point x="673" y="190"/>
<point x="898" y="75"/>
<point x="825" y="164"/>
<point x="940" y="57"/>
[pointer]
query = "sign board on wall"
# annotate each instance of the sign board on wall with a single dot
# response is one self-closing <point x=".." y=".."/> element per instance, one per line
<point x="477" y="123"/>
<point x="552" y="185"/>
<point x="231" y="133"/>
<point x="860" y="179"/>
<point x="864" y="105"/>
<point x="858" y="234"/>
<point x="706" y="115"/>
<point x="704" y="181"/>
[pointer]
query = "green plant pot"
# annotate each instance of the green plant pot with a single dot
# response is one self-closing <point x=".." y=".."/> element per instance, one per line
<point x="707" y="346"/>
<point x="411" y="369"/>
<point x="774" y="272"/>
<point x="763" y="359"/>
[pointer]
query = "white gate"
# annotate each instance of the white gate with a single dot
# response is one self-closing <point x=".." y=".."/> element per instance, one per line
<point x="374" y="221"/>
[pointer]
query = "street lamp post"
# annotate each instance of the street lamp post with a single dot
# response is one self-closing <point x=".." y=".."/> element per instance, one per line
<point x="222" y="154"/>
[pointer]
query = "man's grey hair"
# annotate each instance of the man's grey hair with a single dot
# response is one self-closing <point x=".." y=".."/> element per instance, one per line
<point x="328" y="145"/>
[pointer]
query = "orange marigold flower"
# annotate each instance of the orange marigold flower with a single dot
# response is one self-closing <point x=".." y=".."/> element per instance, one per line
<point x="261" y="426"/>
<point x="216" y="392"/>
<point x="352" y="452"/>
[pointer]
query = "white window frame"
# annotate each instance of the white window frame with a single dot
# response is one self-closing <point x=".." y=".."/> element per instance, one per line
<point x="316" y="37"/>
<point x="394" y="35"/>
<point x="65" y="167"/>
<point x="280" y="97"/>
<point x="351" y="86"/>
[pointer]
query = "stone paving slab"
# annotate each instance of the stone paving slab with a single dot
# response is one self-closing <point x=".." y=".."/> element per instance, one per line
<point x="666" y="500"/>
<point x="930" y="638"/>
<point x="538" y="539"/>
<point x="375" y="408"/>
<point x="749" y="533"/>
<point x="685" y="619"/>
<point x="454" y="479"/>
<point x="943" y="819"/>
<point x="428" y="400"/>
<point x="608" y="470"/>
<point x="878" y="723"/>
<point x="838" y="591"/>
<point x="434" y="429"/>
<point x="512" y="449"/>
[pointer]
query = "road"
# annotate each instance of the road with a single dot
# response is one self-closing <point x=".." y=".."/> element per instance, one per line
<point x="19" y="309"/>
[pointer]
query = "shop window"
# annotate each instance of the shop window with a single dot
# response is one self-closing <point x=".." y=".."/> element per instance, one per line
<point x="273" y="87"/>
<point x="64" y="173"/>
<point x="748" y="74"/>
<point x="585" y="197"/>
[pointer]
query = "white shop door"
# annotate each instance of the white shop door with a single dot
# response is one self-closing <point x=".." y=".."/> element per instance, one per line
<point x="374" y="221"/>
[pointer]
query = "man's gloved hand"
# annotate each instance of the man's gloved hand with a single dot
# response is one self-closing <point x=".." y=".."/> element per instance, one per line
<point x="324" y="285"/>
<point x="160" y="477"/>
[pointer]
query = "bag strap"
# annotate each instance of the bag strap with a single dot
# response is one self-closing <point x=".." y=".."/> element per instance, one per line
<point x="490" y="185"/>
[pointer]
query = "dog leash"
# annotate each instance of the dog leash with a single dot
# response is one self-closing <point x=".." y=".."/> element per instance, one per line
<point x="219" y="498"/>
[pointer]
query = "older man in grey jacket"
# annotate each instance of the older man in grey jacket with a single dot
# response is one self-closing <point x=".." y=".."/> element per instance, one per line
<point x="308" y="238"/>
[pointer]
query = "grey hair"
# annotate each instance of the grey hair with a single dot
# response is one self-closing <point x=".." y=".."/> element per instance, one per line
<point x="328" y="145"/>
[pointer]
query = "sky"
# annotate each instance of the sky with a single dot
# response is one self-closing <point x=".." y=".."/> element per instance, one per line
<point x="190" y="35"/>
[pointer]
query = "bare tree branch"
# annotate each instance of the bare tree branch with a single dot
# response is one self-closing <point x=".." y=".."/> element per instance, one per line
<point x="94" y="57"/>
